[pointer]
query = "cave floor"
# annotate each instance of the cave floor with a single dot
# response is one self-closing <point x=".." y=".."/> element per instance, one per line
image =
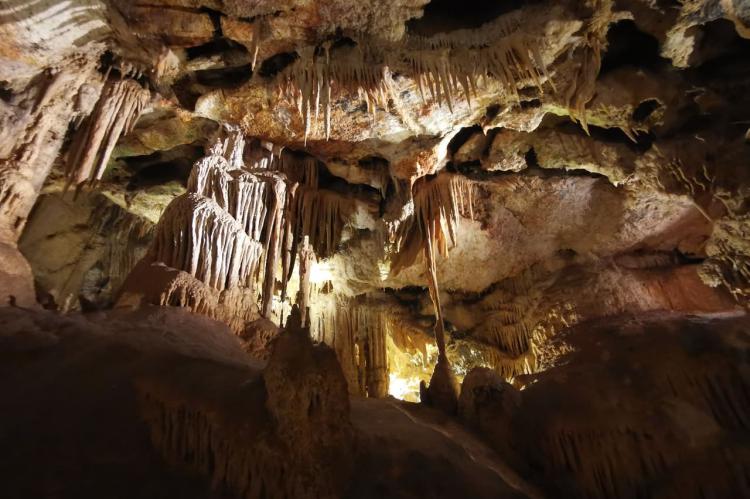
<point x="72" y="421"/>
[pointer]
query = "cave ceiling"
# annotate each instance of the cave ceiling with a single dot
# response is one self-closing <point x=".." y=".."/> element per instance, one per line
<point x="547" y="200"/>
<point x="517" y="95"/>
<point x="547" y="143"/>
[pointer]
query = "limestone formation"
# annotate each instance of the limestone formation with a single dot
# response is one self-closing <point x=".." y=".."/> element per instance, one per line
<point x="403" y="248"/>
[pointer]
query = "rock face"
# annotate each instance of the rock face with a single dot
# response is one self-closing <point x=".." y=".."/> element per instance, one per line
<point x="177" y="408"/>
<point x="639" y="406"/>
<point x="309" y="401"/>
<point x="83" y="250"/>
<point x="449" y="194"/>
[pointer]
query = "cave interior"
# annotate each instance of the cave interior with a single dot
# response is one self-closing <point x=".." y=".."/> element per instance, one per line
<point x="375" y="249"/>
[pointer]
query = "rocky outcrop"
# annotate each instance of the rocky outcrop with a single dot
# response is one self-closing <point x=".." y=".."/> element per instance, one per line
<point x="309" y="403"/>
<point x="639" y="406"/>
<point x="81" y="251"/>
<point x="490" y="405"/>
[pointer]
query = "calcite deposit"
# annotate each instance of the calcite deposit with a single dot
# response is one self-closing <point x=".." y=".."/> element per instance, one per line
<point x="394" y="248"/>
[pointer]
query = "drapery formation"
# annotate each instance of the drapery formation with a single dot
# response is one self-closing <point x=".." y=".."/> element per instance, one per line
<point x="237" y="230"/>
<point x="30" y="140"/>
<point x="196" y="235"/>
<point x="439" y="204"/>
<point x="358" y="333"/>
<point x="119" y="107"/>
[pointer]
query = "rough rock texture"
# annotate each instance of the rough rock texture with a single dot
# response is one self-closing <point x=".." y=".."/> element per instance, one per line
<point x="83" y="250"/>
<point x="258" y="337"/>
<point x="651" y="405"/>
<point x="489" y="405"/>
<point x="161" y="401"/>
<point x="438" y="187"/>
<point x="309" y="402"/>
<point x="16" y="279"/>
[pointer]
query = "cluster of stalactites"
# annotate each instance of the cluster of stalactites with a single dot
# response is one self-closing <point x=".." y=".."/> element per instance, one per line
<point x="119" y="107"/>
<point x="358" y="69"/>
<point x="303" y="170"/>
<point x="582" y="88"/>
<point x="443" y="66"/>
<point x="276" y="206"/>
<point x="439" y="205"/>
<point x="320" y="215"/>
<point x="241" y="194"/>
<point x="310" y="212"/>
<point x="506" y="329"/>
<point x="256" y="201"/>
<point x="358" y="333"/>
<point x="197" y="236"/>
<point x="446" y="70"/>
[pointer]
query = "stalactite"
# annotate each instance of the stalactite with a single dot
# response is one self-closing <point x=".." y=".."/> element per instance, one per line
<point x="357" y="331"/>
<point x="116" y="113"/>
<point x="303" y="170"/>
<point x="507" y="330"/>
<point x="306" y="259"/>
<point x="287" y="246"/>
<point x="583" y="86"/>
<point x="320" y="215"/>
<point x="126" y="234"/>
<point x="375" y="326"/>
<point x="272" y="243"/>
<point x="509" y="367"/>
<point x="353" y="69"/>
<point x="446" y="65"/>
<point x="435" y="292"/>
<point x="239" y="225"/>
<point x="31" y="139"/>
<point x="439" y="204"/>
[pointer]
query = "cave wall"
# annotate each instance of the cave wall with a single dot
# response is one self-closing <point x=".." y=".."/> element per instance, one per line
<point x="606" y="158"/>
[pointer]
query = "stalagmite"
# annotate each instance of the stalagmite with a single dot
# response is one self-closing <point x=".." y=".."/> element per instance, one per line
<point x="439" y="204"/>
<point x="116" y="113"/>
